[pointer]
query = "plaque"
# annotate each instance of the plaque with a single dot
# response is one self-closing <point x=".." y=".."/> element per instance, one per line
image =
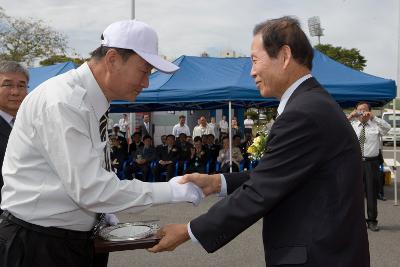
<point x="127" y="236"/>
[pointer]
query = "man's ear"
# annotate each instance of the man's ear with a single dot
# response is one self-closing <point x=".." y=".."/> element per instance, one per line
<point x="112" y="60"/>
<point x="286" y="55"/>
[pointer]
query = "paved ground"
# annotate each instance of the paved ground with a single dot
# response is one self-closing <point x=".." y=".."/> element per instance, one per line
<point x="247" y="250"/>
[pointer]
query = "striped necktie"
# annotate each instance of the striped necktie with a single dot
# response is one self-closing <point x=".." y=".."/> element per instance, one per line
<point x="361" y="138"/>
<point x="103" y="136"/>
<point x="100" y="217"/>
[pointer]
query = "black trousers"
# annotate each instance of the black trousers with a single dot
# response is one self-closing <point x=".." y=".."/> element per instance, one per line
<point x="370" y="178"/>
<point x="170" y="168"/>
<point x="27" y="245"/>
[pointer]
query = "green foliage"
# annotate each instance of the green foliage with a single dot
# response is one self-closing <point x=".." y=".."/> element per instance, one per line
<point x="24" y="40"/>
<point x="252" y="113"/>
<point x="54" y="59"/>
<point x="349" y="57"/>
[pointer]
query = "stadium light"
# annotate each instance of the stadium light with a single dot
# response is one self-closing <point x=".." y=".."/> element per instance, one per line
<point x="314" y="27"/>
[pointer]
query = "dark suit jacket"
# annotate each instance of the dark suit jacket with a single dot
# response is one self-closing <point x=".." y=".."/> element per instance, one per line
<point x="143" y="130"/>
<point x="5" y="130"/>
<point x="163" y="154"/>
<point x="308" y="188"/>
<point x="149" y="154"/>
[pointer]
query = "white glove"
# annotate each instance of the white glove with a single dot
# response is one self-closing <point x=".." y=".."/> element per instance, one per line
<point x="188" y="192"/>
<point x="111" y="219"/>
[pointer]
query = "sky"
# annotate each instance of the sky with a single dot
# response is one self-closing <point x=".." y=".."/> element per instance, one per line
<point x="191" y="27"/>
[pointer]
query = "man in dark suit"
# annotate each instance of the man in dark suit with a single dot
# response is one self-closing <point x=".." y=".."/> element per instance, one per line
<point x="146" y="127"/>
<point x="141" y="160"/>
<point x="307" y="187"/>
<point x="13" y="89"/>
<point x="166" y="159"/>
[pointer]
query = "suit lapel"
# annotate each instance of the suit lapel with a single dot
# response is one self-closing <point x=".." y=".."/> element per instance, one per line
<point x="5" y="128"/>
<point x="303" y="87"/>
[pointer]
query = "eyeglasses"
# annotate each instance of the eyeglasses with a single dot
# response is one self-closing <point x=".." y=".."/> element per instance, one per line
<point x="10" y="86"/>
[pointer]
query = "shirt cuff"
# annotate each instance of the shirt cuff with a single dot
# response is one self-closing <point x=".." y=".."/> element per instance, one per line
<point x="162" y="193"/>
<point x="224" y="189"/>
<point x="192" y="237"/>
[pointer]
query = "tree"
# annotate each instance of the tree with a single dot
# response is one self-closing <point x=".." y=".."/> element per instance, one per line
<point x="54" y="59"/>
<point x="349" y="57"/>
<point x="24" y="40"/>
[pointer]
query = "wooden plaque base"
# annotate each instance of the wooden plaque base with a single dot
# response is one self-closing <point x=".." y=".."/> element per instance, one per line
<point x="102" y="245"/>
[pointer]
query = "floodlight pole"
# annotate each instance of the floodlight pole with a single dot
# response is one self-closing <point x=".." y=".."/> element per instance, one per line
<point x="133" y="10"/>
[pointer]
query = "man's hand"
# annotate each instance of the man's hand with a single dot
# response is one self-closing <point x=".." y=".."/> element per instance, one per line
<point x="210" y="184"/>
<point x="172" y="235"/>
<point x="188" y="192"/>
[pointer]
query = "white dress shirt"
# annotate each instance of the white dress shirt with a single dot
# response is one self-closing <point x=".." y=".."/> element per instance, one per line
<point x="7" y="117"/>
<point x="178" y="129"/>
<point x="288" y="93"/>
<point x="248" y="123"/>
<point x="53" y="174"/>
<point x="374" y="129"/>
<point x="223" y="126"/>
<point x="200" y="130"/>
<point x="123" y="125"/>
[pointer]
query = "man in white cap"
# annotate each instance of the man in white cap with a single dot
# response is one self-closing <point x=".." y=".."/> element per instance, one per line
<point x="57" y="183"/>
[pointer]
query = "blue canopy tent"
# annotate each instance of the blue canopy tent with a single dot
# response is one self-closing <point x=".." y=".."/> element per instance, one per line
<point x="41" y="74"/>
<point x="210" y="83"/>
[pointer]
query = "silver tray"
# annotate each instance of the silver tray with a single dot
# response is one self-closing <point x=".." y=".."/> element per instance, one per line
<point x="129" y="231"/>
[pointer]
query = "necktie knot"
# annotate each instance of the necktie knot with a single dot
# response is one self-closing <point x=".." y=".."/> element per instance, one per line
<point x="12" y="121"/>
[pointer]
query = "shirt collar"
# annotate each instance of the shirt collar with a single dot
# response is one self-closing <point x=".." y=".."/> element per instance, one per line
<point x="359" y="123"/>
<point x="94" y="92"/>
<point x="286" y="95"/>
<point x="6" y="116"/>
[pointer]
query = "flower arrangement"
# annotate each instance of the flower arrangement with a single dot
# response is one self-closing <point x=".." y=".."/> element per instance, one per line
<point x="257" y="148"/>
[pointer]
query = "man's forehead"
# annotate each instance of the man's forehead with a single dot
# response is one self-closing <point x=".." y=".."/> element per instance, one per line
<point x="13" y="76"/>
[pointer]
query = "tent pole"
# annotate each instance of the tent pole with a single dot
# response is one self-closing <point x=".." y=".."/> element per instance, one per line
<point x="230" y="136"/>
<point x="394" y="153"/>
<point x="394" y="113"/>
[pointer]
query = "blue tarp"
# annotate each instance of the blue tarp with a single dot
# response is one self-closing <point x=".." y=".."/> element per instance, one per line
<point x="209" y="83"/>
<point x="41" y="74"/>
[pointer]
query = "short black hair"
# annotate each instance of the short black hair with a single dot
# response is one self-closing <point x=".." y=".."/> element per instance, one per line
<point x="364" y="103"/>
<point x="171" y="135"/>
<point x="197" y="138"/>
<point x="286" y="31"/>
<point x="101" y="51"/>
<point x="147" y="137"/>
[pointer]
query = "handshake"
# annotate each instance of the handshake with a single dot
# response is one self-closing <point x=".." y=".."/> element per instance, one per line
<point x="194" y="187"/>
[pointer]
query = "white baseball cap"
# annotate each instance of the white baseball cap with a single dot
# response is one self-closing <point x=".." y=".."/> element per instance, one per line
<point x="139" y="37"/>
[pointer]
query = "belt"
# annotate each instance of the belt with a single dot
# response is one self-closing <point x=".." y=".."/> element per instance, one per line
<point x="52" y="231"/>
<point x="370" y="158"/>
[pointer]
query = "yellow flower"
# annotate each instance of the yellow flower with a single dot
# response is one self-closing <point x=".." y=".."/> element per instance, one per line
<point x="251" y="150"/>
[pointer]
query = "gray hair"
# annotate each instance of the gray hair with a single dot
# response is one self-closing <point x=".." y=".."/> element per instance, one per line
<point x="13" y="66"/>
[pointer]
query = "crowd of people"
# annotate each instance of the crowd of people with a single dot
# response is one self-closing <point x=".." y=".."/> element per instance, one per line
<point x="206" y="150"/>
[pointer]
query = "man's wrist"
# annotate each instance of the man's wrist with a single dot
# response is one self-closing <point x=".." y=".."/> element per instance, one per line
<point x="217" y="183"/>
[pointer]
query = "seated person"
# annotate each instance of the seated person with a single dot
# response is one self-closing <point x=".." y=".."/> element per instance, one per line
<point x="136" y="142"/>
<point x="142" y="159"/>
<point x="183" y="151"/>
<point x="163" y="143"/>
<point x="223" y="156"/>
<point x="212" y="153"/>
<point x="166" y="159"/>
<point x="117" y="154"/>
<point x="198" y="157"/>
<point x="121" y="139"/>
